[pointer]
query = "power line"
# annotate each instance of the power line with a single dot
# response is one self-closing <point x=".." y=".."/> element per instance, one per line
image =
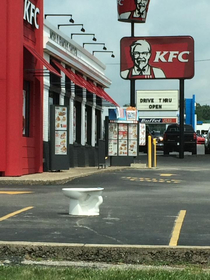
<point x="200" y="60"/>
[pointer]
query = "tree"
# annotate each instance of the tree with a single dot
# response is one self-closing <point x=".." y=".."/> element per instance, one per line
<point x="198" y="112"/>
<point x="206" y="112"/>
<point x="203" y="112"/>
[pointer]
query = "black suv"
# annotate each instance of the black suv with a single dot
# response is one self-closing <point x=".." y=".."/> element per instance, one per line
<point x="171" y="139"/>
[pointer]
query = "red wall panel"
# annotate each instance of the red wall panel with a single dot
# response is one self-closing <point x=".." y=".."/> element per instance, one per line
<point x="14" y="86"/>
<point x="3" y="81"/>
<point x="19" y="155"/>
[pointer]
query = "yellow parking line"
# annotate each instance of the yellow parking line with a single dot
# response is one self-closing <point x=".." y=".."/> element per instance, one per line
<point x="14" y="192"/>
<point x="15" y="213"/>
<point x="167" y="175"/>
<point x="177" y="228"/>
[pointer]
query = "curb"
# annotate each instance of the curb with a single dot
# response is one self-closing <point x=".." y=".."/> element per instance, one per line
<point x="18" y="252"/>
<point x="66" y="178"/>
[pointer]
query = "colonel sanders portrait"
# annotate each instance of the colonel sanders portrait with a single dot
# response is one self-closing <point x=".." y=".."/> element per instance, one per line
<point x="141" y="52"/>
<point x="139" y="13"/>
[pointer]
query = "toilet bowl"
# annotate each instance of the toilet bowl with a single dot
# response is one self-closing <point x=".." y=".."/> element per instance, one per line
<point x="84" y="201"/>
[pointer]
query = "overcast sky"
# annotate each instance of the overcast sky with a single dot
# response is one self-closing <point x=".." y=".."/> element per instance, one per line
<point x="165" y="18"/>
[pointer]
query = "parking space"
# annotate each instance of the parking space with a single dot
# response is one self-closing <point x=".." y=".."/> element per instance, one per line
<point x="141" y="206"/>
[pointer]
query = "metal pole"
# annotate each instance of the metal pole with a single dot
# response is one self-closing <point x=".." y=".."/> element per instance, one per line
<point x="149" y="152"/>
<point x="181" y="117"/>
<point x="154" y="153"/>
<point x="132" y="93"/>
<point x="132" y="82"/>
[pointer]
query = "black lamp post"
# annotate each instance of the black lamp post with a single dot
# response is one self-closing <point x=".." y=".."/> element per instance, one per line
<point x="104" y="52"/>
<point x="94" y="38"/>
<point x="60" y="15"/>
<point x="104" y="48"/>
<point x="82" y="29"/>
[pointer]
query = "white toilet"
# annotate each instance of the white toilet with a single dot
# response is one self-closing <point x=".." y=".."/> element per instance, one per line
<point x="84" y="201"/>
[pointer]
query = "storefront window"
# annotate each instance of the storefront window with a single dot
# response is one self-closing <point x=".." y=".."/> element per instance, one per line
<point x="96" y="129"/>
<point x="26" y="109"/>
<point x="74" y="124"/>
<point x="86" y="120"/>
<point x="88" y="124"/>
<point x="55" y="81"/>
<point x="98" y="125"/>
<point x="78" y="122"/>
<point x="66" y="100"/>
<point x="68" y="86"/>
<point x="54" y="96"/>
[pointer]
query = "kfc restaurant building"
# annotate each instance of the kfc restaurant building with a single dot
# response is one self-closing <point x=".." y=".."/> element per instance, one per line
<point x="41" y="68"/>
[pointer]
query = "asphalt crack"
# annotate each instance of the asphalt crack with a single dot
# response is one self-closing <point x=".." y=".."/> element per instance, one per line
<point x="92" y="230"/>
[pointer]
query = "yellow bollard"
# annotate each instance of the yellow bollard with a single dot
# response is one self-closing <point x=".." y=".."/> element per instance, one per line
<point x="149" y="152"/>
<point x="155" y="154"/>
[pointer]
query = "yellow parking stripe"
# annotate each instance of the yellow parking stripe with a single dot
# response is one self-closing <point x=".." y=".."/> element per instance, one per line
<point x="15" y="192"/>
<point x="15" y="213"/>
<point x="177" y="228"/>
<point x="175" y="181"/>
<point x="153" y="180"/>
<point x="167" y="175"/>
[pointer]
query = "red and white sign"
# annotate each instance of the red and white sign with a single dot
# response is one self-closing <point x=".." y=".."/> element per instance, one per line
<point x="157" y="57"/>
<point x="132" y="10"/>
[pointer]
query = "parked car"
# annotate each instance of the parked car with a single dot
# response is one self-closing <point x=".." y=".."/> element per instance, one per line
<point x="207" y="142"/>
<point x="159" y="139"/>
<point x="200" y="139"/>
<point x="171" y="139"/>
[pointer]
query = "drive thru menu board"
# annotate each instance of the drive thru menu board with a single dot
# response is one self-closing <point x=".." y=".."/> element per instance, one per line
<point x="60" y="130"/>
<point x="113" y="139"/>
<point x="142" y="134"/>
<point x="132" y="140"/>
<point x="122" y="139"/>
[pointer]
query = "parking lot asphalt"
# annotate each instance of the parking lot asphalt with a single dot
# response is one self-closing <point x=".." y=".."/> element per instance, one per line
<point x="199" y="161"/>
<point x="141" y="205"/>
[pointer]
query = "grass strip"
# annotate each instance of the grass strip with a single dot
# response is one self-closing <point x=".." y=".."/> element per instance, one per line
<point x="61" y="273"/>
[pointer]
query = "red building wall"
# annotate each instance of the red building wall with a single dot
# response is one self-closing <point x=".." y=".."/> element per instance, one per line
<point x="19" y="155"/>
<point x="3" y="18"/>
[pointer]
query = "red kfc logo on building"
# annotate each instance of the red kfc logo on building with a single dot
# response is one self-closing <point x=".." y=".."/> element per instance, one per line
<point x="133" y="10"/>
<point x="157" y="57"/>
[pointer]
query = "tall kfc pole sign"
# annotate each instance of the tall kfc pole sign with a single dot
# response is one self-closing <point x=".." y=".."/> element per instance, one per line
<point x="157" y="57"/>
<point x="132" y="10"/>
<point x="154" y="57"/>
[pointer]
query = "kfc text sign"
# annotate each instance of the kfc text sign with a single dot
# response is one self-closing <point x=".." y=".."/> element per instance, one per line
<point x="132" y="10"/>
<point x="31" y="13"/>
<point x="157" y="57"/>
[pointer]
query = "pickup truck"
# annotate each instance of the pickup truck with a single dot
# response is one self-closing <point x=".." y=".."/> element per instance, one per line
<point x="171" y="139"/>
